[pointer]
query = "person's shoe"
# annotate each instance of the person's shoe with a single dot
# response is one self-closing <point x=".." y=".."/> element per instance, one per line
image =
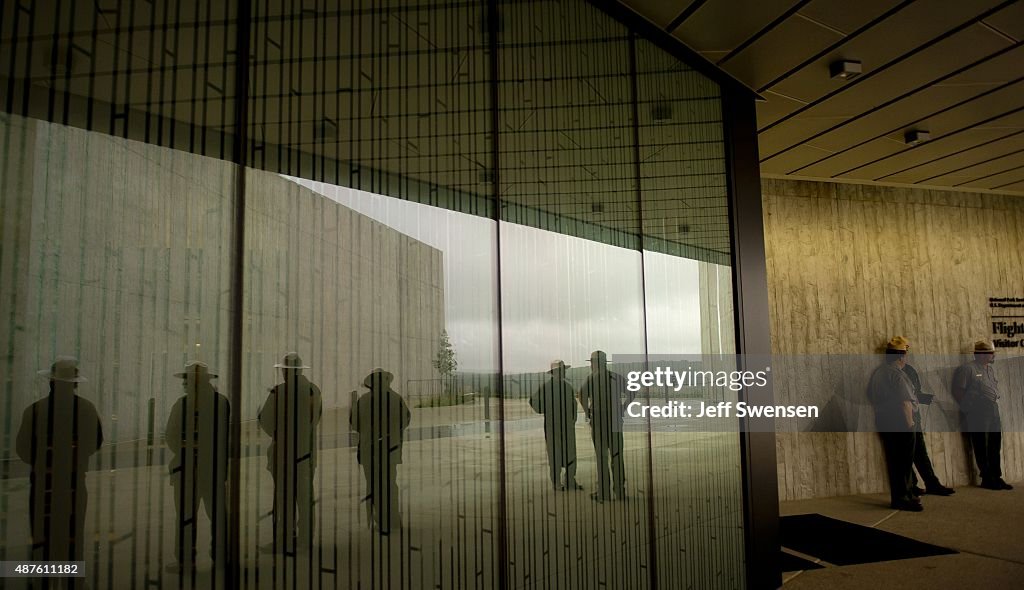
<point x="939" y="490"/>
<point x="908" y="506"/>
<point x="917" y="491"/>
<point x="1003" y="485"/>
<point x="991" y="484"/>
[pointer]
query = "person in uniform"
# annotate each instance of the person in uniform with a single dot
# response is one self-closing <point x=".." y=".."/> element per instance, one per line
<point x="380" y="417"/>
<point x="197" y="436"/>
<point x="58" y="435"/>
<point x="922" y="462"/>
<point x="556" y="400"/>
<point x="976" y="389"/>
<point x="291" y="416"/>
<point x="602" y="398"/>
<point x="892" y="395"/>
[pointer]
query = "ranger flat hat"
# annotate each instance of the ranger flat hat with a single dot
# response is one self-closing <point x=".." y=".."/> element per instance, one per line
<point x="198" y="370"/>
<point x="898" y="344"/>
<point x="599" y="356"/>
<point x="65" y="369"/>
<point x="984" y="346"/>
<point x="558" y="366"/>
<point x="378" y="376"/>
<point x="291" y="361"/>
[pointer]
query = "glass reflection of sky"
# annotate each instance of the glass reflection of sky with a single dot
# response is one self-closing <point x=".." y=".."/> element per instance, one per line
<point x="595" y="288"/>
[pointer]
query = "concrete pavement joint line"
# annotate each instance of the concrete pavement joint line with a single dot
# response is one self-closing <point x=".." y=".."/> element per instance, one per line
<point x="810" y="558"/>
<point x="997" y="558"/>
<point x="887" y="517"/>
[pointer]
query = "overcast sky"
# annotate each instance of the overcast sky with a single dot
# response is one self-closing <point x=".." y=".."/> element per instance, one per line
<point x="563" y="296"/>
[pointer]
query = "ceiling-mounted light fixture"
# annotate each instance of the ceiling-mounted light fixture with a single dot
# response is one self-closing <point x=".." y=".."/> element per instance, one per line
<point x="845" y="69"/>
<point x="916" y="137"/>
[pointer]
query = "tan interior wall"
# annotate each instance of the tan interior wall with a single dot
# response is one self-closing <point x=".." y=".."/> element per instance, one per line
<point x="849" y="266"/>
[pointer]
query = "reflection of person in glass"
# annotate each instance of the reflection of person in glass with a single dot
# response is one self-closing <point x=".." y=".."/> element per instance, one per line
<point x="556" y="399"/>
<point x="922" y="461"/>
<point x="57" y="436"/>
<point x="604" y="398"/>
<point x="197" y="435"/>
<point x="380" y="417"/>
<point x="290" y="416"/>
<point x="976" y="388"/>
<point x="892" y="394"/>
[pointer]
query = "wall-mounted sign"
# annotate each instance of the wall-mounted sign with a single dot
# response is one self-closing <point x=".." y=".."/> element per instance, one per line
<point x="1007" y="315"/>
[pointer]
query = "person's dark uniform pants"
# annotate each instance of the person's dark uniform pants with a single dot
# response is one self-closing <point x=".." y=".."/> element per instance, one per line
<point x="293" y="508"/>
<point x="608" y="446"/>
<point x="923" y="463"/>
<point x="187" y="497"/>
<point x="985" y="431"/>
<point x="58" y="521"/>
<point x="899" y="460"/>
<point x="382" y="486"/>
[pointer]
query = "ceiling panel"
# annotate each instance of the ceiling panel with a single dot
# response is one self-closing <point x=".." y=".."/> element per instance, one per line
<point x="790" y="42"/>
<point x="1013" y="175"/>
<point x="852" y="143"/>
<point x="926" y="172"/>
<point x="913" y="155"/>
<point x="1009" y="21"/>
<point x="969" y="46"/>
<point x="954" y="68"/>
<point x="660" y="12"/>
<point x="983" y="170"/>
<point x="721" y="25"/>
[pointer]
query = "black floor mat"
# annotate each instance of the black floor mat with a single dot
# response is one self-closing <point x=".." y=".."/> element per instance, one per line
<point x="791" y="563"/>
<point x="844" y="543"/>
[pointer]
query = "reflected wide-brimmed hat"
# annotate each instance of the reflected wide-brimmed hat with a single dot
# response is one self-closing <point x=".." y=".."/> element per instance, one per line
<point x="897" y="344"/>
<point x="291" y="361"/>
<point x="558" y="366"/>
<point x="198" y="370"/>
<point x="378" y="376"/>
<point x="65" y="369"/>
<point x="599" y="356"/>
<point x="984" y="346"/>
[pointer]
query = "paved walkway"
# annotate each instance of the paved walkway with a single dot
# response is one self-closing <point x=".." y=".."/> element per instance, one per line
<point x="985" y="526"/>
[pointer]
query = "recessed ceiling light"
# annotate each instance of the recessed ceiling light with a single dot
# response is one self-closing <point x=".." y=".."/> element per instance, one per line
<point x="916" y="137"/>
<point x="661" y="112"/>
<point x="845" y="69"/>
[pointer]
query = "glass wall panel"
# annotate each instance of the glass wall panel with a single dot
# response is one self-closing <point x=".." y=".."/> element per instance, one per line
<point x="572" y="298"/>
<point x="115" y="266"/>
<point x="688" y="297"/>
<point x="383" y="280"/>
<point x="447" y="239"/>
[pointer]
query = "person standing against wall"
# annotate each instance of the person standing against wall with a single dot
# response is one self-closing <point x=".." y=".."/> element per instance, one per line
<point x="976" y="388"/>
<point x="922" y="462"/>
<point x="892" y="395"/>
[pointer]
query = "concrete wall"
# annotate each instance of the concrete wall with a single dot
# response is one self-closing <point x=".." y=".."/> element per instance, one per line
<point x="850" y="266"/>
<point x="118" y="252"/>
